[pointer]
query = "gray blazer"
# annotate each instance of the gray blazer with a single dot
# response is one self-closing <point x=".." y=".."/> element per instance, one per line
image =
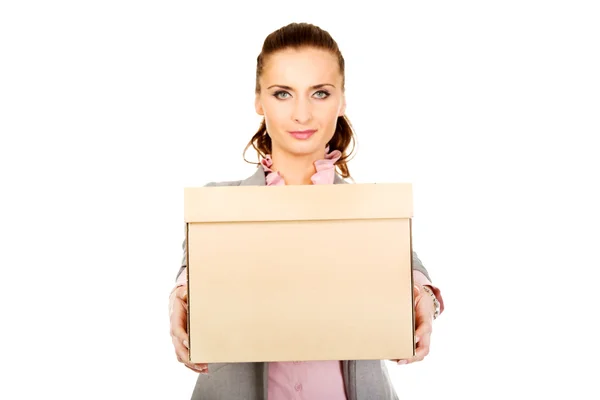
<point x="363" y="379"/>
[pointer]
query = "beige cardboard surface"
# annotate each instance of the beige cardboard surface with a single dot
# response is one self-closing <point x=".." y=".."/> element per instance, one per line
<point x="292" y="273"/>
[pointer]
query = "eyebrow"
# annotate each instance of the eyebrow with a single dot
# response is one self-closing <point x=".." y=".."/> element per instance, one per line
<point x="319" y="86"/>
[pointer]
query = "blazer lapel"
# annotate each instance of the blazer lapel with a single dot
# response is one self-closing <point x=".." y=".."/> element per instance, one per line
<point x="338" y="180"/>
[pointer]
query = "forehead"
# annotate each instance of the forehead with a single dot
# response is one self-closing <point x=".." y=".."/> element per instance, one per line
<point x="301" y="67"/>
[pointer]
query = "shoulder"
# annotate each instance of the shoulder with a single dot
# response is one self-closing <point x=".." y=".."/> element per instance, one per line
<point x="224" y="183"/>
<point x="256" y="179"/>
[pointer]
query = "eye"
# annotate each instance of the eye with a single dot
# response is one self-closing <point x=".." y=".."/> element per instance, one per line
<point x="281" y="94"/>
<point x="322" y="94"/>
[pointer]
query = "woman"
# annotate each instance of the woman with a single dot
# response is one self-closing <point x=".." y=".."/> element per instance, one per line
<point x="303" y="139"/>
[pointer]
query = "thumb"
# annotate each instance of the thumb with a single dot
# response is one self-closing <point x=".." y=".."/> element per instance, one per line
<point x="416" y="291"/>
<point x="182" y="293"/>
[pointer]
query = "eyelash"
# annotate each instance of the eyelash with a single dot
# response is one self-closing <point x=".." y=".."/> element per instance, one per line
<point x="277" y="93"/>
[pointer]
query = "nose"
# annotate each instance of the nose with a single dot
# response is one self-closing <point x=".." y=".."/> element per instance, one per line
<point x="302" y="112"/>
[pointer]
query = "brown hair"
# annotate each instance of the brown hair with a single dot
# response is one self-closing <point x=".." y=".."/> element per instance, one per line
<point x="298" y="35"/>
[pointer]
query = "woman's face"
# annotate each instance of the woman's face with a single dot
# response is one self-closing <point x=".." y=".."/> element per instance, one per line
<point x="301" y="98"/>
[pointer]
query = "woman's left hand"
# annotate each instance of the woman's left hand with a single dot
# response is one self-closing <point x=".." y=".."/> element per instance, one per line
<point x="424" y="311"/>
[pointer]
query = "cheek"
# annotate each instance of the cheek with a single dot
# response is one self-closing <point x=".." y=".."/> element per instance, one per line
<point x="275" y="113"/>
<point x="328" y="115"/>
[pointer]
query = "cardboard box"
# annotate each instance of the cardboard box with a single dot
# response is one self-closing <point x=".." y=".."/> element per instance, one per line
<point x="293" y="273"/>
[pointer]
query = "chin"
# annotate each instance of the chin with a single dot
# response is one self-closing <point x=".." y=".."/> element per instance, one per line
<point x="305" y="149"/>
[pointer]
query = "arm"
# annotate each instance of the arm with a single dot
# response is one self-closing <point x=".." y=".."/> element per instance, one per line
<point x="422" y="278"/>
<point x="424" y="306"/>
<point x="178" y="318"/>
<point x="181" y="275"/>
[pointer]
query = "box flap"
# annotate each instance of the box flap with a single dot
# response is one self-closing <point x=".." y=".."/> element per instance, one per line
<point x="298" y="202"/>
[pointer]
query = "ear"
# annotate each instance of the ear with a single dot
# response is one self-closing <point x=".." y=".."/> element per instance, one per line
<point x="343" y="107"/>
<point x="258" y="105"/>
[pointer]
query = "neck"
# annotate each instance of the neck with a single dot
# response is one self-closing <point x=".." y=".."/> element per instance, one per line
<point x="296" y="170"/>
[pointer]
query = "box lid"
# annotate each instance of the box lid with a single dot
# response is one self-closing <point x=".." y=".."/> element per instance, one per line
<point x="298" y="202"/>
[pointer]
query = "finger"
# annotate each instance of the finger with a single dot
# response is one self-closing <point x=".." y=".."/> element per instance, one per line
<point x="180" y="350"/>
<point x="182" y="293"/>
<point x="423" y="329"/>
<point x="179" y="321"/>
<point x="403" y="361"/>
<point x="424" y="306"/>
<point x="421" y="352"/>
<point x="200" y="368"/>
<point x="416" y="291"/>
<point x="422" y="334"/>
<point x="183" y="357"/>
<point x="422" y="338"/>
<point x="422" y="348"/>
<point x="423" y="318"/>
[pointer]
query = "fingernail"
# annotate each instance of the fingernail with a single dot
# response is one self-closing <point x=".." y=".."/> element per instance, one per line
<point x="417" y="339"/>
<point x="186" y="344"/>
<point x="402" y="362"/>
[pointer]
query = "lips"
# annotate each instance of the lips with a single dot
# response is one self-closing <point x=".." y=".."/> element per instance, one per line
<point x="303" y="135"/>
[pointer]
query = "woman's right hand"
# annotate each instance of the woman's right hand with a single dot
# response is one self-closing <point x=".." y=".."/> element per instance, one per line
<point x="178" y="316"/>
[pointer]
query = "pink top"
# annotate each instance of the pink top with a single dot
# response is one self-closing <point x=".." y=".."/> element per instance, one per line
<point x="306" y="379"/>
<point x="312" y="379"/>
<point x="325" y="170"/>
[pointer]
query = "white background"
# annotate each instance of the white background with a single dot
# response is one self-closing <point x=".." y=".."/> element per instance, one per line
<point x="108" y="109"/>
